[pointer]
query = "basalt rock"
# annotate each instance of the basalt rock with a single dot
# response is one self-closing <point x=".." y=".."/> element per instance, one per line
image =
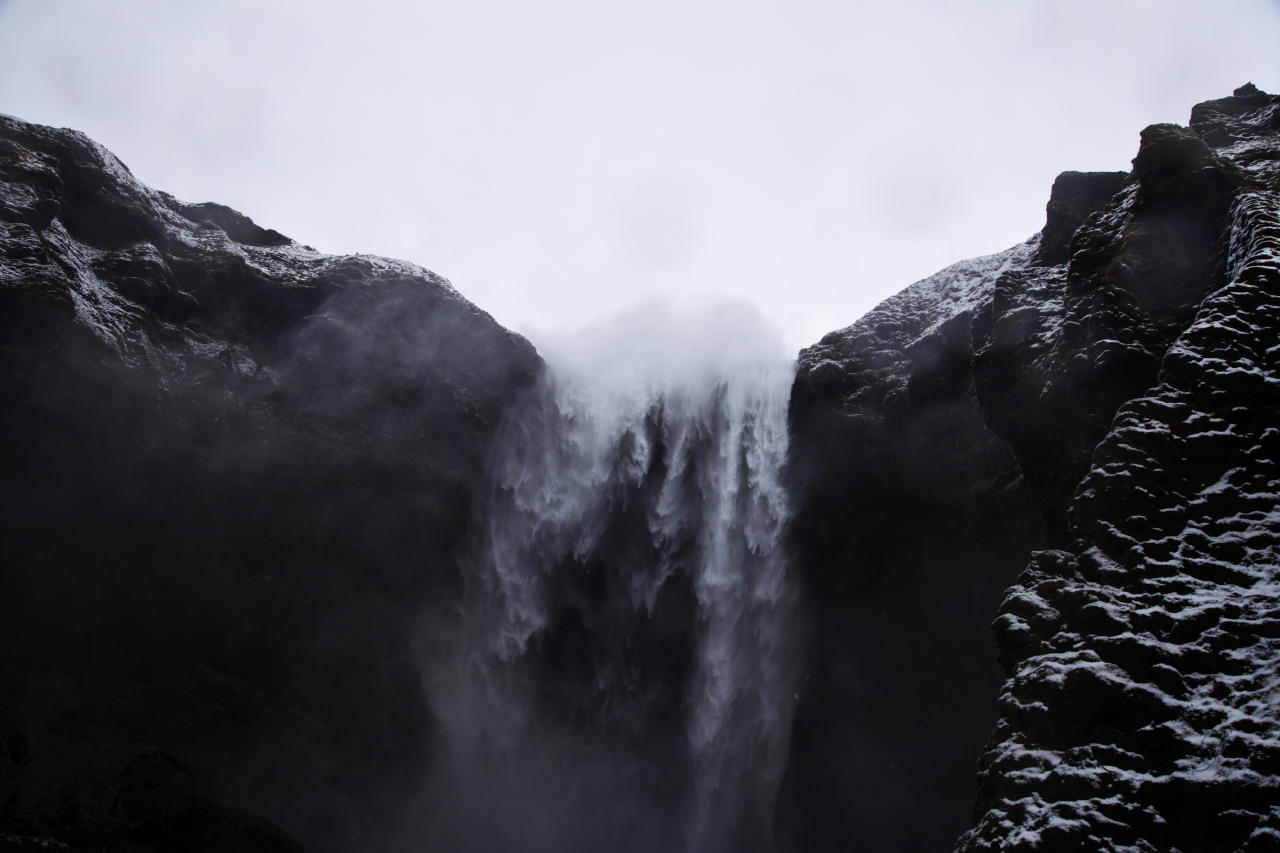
<point x="1141" y="654"/>
<point x="1107" y="391"/>
<point x="1074" y="198"/>
<point x="912" y="516"/>
<point x="235" y="474"/>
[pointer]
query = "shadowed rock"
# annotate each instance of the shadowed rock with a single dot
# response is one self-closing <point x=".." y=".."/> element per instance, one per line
<point x="236" y="473"/>
<point x="1111" y="384"/>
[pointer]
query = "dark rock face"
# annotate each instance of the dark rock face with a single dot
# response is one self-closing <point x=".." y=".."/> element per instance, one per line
<point x="1074" y="198"/>
<point x="236" y="473"/>
<point x="1110" y="388"/>
<point x="1063" y="346"/>
<point x="1139" y="712"/>
<point x="912" y="517"/>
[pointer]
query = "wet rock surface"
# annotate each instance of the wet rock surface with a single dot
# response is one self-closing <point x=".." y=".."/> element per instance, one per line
<point x="1107" y="391"/>
<point x="236" y="473"/>
<point x="1139" y="713"/>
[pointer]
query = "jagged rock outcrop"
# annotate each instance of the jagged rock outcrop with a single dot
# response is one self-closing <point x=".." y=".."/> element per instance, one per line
<point x="1115" y="378"/>
<point x="235" y="472"/>
<point x="1140" y="711"/>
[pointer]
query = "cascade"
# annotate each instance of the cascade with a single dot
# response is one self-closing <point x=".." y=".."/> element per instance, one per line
<point x="624" y="673"/>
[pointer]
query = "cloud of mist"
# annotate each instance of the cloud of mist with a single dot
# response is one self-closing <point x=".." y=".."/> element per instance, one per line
<point x="623" y="673"/>
<point x="667" y="344"/>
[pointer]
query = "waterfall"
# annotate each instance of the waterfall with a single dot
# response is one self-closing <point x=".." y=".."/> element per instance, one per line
<point x="625" y="674"/>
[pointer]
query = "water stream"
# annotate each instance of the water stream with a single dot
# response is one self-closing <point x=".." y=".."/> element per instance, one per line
<point x="624" y="678"/>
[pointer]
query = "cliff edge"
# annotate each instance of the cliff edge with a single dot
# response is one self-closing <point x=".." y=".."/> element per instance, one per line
<point x="1107" y="391"/>
<point x="236" y="473"/>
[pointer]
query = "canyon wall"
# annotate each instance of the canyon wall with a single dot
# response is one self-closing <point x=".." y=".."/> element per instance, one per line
<point x="253" y="495"/>
<point x="1094" y="415"/>
<point x="236" y="474"/>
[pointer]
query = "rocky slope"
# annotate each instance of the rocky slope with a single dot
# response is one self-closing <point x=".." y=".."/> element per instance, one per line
<point x="1108" y="390"/>
<point x="1140" y="711"/>
<point x="235" y="473"/>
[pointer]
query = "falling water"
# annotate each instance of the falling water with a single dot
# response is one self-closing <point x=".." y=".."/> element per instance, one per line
<point x="626" y="671"/>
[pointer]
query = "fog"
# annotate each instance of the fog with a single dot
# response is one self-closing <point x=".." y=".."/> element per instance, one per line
<point x="559" y="160"/>
<point x="667" y="345"/>
<point x="624" y="667"/>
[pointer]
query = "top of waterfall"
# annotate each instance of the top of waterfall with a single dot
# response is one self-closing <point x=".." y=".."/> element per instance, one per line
<point x="660" y="343"/>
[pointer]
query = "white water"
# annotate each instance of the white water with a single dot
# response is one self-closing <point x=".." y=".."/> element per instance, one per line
<point x="650" y="454"/>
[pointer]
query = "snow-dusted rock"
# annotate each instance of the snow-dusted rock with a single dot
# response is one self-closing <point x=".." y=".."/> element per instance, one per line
<point x="1098" y="409"/>
<point x="1166" y="597"/>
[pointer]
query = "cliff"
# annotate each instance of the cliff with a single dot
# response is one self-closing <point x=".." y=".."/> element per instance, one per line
<point x="236" y="474"/>
<point x="247" y="489"/>
<point x="1106" y="391"/>
<point x="1139" y="710"/>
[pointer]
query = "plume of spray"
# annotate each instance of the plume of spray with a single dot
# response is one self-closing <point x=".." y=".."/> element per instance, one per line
<point x="645" y="469"/>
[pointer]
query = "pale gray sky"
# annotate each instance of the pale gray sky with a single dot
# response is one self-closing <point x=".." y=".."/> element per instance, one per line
<point x="558" y="160"/>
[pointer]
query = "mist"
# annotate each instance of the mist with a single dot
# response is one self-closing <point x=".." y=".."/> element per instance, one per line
<point x="666" y="344"/>
<point x="621" y="673"/>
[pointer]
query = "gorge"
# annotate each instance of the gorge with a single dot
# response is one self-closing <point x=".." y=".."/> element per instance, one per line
<point x="307" y="552"/>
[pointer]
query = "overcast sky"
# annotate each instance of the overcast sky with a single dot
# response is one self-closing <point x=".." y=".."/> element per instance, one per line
<point x="557" y="160"/>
